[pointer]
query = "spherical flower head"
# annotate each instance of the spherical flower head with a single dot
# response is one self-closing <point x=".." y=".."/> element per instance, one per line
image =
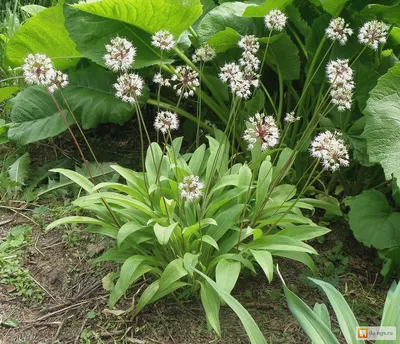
<point x="275" y="20"/>
<point x="163" y="40"/>
<point x="166" y="121"/>
<point x="187" y="81"/>
<point x="229" y="71"/>
<point x="331" y="150"/>
<point x="340" y="74"/>
<point x="38" y="70"/>
<point x="129" y="87"/>
<point x="291" y="117"/>
<point x="120" y="54"/>
<point x="342" y="98"/>
<point x="262" y="129"/>
<point x="249" y="61"/>
<point x="60" y="80"/>
<point x="373" y="33"/>
<point x="249" y="43"/>
<point x="204" y="54"/>
<point x="338" y="30"/>
<point x="191" y="188"/>
<point x="159" y="79"/>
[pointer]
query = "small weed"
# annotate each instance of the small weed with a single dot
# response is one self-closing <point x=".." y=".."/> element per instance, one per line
<point x="11" y="272"/>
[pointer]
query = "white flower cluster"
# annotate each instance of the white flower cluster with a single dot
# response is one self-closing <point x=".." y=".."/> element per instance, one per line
<point x="263" y="129"/>
<point x="331" y="150"/>
<point x="275" y="20"/>
<point x="243" y="75"/>
<point x="373" y="33"/>
<point x="39" y="70"/>
<point x="129" y="87"/>
<point x="204" y="54"/>
<point x="191" y="188"/>
<point x="340" y="76"/>
<point x="159" y="79"/>
<point x="120" y="54"/>
<point x="187" y="81"/>
<point x="291" y="117"/>
<point x="338" y="30"/>
<point x="166" y="121"/>
<point x="163" y="40"/>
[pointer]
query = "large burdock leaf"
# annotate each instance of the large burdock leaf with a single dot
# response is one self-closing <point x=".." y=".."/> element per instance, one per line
<point x="227" y="15"/>
<point x="90" y="95"/>
<point x="268" y="5"/>
<point x="149" y="15"/>
<point x="44" y="33"/>
<point x="35" y="117"/>
<point x="382" y="128"/>
<point x="98" y="32"/>
<point x="373" y="221"/>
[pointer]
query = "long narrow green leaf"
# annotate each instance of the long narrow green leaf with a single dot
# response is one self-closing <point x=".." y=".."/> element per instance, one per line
<point x="252" y="330"/>
<point x="316" y="330"/>
<point x="211" y="305"/>
<point x="280" y="243"/>
<point x="263" y="183"/>
<point x="76" y="219"/>
<point x="264" y="259"/>
<point x="347" y="321"/>
<point x="164" y="233"/>
<point x="76" y="177"/>
<point x="227" y="274"/>
<point x="391" y="314"/>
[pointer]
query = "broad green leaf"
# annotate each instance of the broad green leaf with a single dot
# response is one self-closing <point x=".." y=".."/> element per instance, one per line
<point x="315" y="328"/>
<point x="344" y="314"/>
<point x="264" y="259"/>
<point x="225" y="220"/>
<point x="164" y="233"/>
<point x="18" y="171"/>
<point x="372" y="220"/>
<point x="99" y="31"/>
<point x="388" y="14"/>
<point x="224" y="40"/>
<point x="333" y="7"/>
<point x="155" y="163"/>
<point x="35" y="117"/>
<point x="263" y="184"/>
<point x="266" y="7"/>
<point x="285" y="160"/>
<point x="91" y="95"/>
<point x="76" y="177"/>
<point x="45" y="34"/>
<point x="228" y="14"/>
<point x="285" y="55"/>
<point x="252" y="330"/>
<point x="172" y="273"/>
<point x="296" y="18"/>
<point x="321" y="311"/>
<point x="209" y="240"/>
<point x="211" y="304"/>
<point x="280" y="243"/>
<point x="148" y="15"/>
<point x="33" y="9"/>
<point x="133" y="270"/>
<point x="196" y="159"/>
<point x="306" y="232"/>
<point x="382" y="128"/>
<point x="227" y="273"/>
<point x="6" y="92"/>
<point x="188" y="231"/>
<point x="127" y="229"/>
<point x="75" y="219"/>
<point x="284" y="218"/>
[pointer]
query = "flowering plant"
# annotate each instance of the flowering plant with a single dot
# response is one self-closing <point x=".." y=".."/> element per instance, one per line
<point x="193" y="222"/>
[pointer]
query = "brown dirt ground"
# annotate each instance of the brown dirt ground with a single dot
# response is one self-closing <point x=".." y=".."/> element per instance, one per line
<point x="72" y="288"/>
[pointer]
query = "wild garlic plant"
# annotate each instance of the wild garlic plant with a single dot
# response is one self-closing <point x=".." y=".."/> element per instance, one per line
<point x="189" y="219"/>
